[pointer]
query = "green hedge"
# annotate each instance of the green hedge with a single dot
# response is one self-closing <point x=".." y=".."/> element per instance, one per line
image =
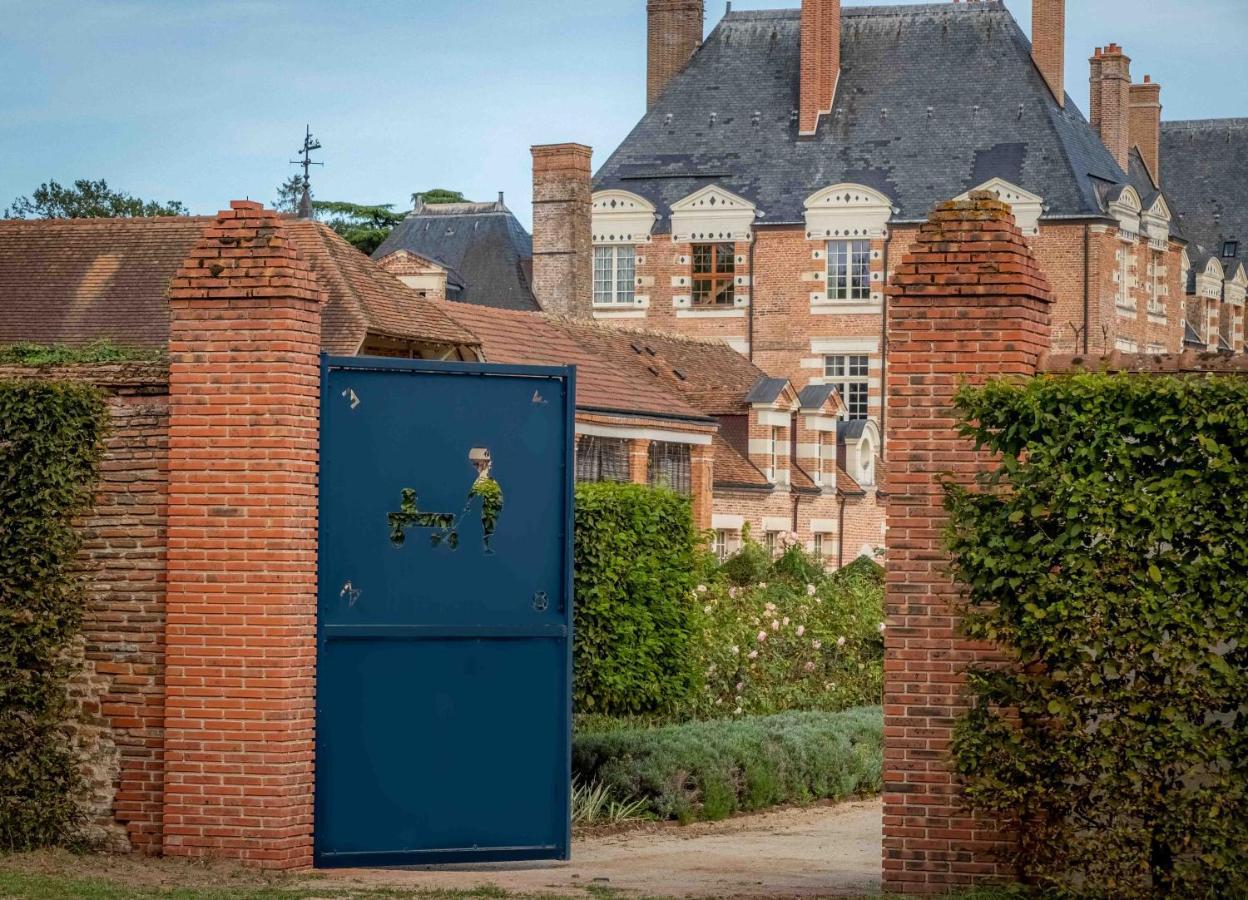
<point x="1108" y="557"/>
<point x="634" y="584"/>
<point x="709" y="770"/>
<point x="27" y="354"/>
<point x="50" y="442"/>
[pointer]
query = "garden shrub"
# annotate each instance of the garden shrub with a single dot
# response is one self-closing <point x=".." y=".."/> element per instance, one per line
<point x="709" y="770"/>
<point x="29" y="354"/>
<point x="787" y="644"/>
<point x="634" y="612"/>
<point x="1107" y="556"/>
<point x="50" y="443"/>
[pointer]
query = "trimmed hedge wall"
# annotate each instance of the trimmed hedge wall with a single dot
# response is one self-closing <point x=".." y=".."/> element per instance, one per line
<point x="50" y="445"/>
<point x="1108" y="557"/>
<point x="709" y="770"/>
<point x="634" y="625"/>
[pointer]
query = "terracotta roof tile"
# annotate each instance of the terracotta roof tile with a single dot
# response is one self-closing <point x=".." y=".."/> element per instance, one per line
<point x="733" y="469"/>
<point x="74" y="281"/>
<point x="606" y="379"/>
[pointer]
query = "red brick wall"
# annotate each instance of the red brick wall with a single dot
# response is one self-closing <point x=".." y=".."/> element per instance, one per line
<point x="240" y="643"/>
<point x="968" y="303"/>
<point x="674" y="31"/>
<point x="119" y="694"/>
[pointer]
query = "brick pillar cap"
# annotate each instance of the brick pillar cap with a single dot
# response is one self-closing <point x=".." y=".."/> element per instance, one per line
<point x="246" y="204"/>
<point x="552" y="149"/>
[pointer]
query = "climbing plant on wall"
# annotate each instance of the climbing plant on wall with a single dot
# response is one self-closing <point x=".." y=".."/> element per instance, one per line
<point x="50" y="444"/>
<point x="1107" y="556"/>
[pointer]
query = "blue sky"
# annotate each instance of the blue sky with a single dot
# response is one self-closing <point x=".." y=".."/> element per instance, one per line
<point x="206" y="100"/>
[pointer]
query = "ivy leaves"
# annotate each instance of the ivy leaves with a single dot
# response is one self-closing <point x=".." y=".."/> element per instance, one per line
<point x="1107" y="555"/>
<point x="50" y="444"/>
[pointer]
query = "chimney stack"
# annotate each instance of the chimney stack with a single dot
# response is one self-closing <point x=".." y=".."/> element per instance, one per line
<point x="1145" y="124"/>
<point x="1048" y="44"/>
<point x="562" y="251"/>
<point x="820" y="62"/>
<point x="1111" y="100"/>
<point x="674" y="31"/>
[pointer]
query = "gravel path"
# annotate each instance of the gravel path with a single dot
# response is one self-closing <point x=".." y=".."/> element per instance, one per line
<point x="817" y="851"/>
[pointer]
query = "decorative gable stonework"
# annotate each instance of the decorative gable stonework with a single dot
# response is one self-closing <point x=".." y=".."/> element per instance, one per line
<point x="712" y="214"/>
<point x="1026" y="206"/>
<point x="847" y="211"/>
<point x="1156" y="221"/>
<point x="620" y="217"/>
<point x="1126" y="210"/>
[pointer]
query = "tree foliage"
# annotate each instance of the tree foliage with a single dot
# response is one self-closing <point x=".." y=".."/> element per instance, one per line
<point x="365" y="227"/>
<point x="289" y="193"/>
<point x="1107" y="555"/>
<point x="435" y="196"/>
<point x="86" y="200"/>
<point x="50" y="441"/>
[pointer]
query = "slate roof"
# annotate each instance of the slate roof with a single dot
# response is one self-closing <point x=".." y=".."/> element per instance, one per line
<point x="486" y="251"/>
<point x="933" y="100"/>
<point x="815" y="396"/>
<point x="766" y="390"/>
<point x="1192" y="338"/>
<point x="74" y="281"/>
<point x="1204" y="171"/>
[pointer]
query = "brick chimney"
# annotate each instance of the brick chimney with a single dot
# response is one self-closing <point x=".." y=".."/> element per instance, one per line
<point x="1048" y="44"/>
<point x="562" y="251"/>
<point x="1145" y="124"/>
<point x="820" y="61"/>
<point x="1110" y="91"/>
<point x="674" y="32"/>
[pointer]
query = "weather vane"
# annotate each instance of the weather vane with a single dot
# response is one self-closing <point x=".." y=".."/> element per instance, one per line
<point x="309" y="144"/>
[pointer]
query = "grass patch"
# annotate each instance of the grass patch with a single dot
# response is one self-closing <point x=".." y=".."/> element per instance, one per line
<point x="27" y="354"/>
<point x="710" y="770"/>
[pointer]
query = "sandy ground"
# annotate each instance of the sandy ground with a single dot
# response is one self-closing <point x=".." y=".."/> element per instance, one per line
<point x="818" y="851"/>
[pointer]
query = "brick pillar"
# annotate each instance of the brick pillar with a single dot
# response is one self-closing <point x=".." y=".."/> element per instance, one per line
<point x="563" y="266"/>
<point x="702" y="484"/>
<point x="673" y="35"/>
<point x="639" y="461"/>
<point x="240" y="653"/>
<point x="967" y="303"/>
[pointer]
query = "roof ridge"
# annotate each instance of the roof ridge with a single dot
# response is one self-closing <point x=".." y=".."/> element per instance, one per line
<point x="639" y="332"/>
<point x="113" y="220"/>
<point x="1232" y="122"/>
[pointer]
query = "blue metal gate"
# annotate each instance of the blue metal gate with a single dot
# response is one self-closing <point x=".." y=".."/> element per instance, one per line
<point x="444" y="663"/>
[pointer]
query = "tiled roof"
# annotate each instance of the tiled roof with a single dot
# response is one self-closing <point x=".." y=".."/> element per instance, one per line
<point x="708" y="373"/>
<point x="606" y="379"/>
<point x="933" y="100"/>
<point x="1204" y="172"/>
<point x="74" y="281"/>
<point x="766" y="390"/>
<point x="365" y="299"/>
<point x="734" y="470"/>
<point x="486" y="251"/>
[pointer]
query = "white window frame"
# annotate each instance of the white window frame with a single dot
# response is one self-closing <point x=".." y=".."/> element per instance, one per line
<point x="620" y="288"/>
<point x="848" y="377"/>
<point x="841" y="282"/>
<point x="816" y="545"/>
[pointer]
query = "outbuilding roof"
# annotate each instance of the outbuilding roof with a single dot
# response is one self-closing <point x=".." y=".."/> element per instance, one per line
<point x="74" y="281"/>
<point x="1204" y="170"/>
<point x="486" y="251"/>
<point x="933" y="100"/>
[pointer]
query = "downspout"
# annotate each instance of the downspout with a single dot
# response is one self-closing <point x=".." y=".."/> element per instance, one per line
<point x="1087" y="285"/>
<point x="884" y="357"/>
<point x="840" y="535"/>
<point x="749" y="314"/>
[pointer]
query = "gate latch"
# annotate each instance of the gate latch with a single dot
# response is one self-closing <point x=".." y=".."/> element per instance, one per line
<point x="541" y="602"/>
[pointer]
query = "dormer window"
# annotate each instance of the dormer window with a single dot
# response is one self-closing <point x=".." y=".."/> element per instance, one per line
<point x="615" y="273"/>
<point x="714" y="272"/>
<point x="1230" y="249"/>
<point x="849" y="270"/>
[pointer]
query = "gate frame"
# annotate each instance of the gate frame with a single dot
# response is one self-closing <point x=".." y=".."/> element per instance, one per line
<point x="567" y="375"/>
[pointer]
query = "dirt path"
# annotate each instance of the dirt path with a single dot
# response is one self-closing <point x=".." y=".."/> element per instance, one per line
<point x="819" y="851"/>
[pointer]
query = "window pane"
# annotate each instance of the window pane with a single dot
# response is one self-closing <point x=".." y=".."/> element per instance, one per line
<point x="725" y="259"/>
<point x="856" y="399"/>
<point x="834" y="366"/>
<point x="625" y="274"/>
<point x="702" y="259"/>
<point x="837" y="270"/>
<point x="860" y="288"/>
<point x="858" y="366"/>
<point x="725" y="293"/>
<point x="670" y="467"/>
<point x="602" y="459"/>
<point x="702" y="290"/>
<point x="602" y="274"/>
